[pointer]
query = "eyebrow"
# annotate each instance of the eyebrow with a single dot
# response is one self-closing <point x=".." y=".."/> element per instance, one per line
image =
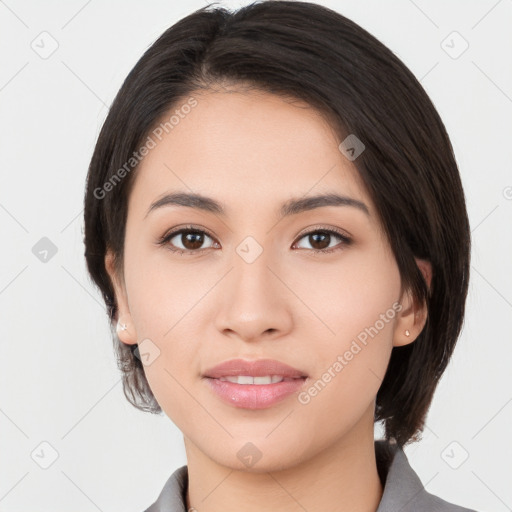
<point x="291" y="207"/>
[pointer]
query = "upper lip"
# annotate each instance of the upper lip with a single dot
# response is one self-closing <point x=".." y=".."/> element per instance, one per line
<point x="254" y="368"/>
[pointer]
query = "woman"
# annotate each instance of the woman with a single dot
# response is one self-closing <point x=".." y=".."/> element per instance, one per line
<point x="276" y="221"/>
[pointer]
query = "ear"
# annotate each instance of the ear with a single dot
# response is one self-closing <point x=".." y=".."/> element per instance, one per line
<point x="412" y="317"/>
<point x="125" y="327"/>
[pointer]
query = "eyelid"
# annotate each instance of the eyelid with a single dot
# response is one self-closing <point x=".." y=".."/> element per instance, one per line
<point x="188" y="227"/>
<point x="320" y="227"/>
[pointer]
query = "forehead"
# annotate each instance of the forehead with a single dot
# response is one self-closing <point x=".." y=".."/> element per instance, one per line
<point x="245" y="148"/>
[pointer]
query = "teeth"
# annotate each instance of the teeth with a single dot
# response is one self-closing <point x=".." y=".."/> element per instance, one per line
<point x="246" y="379"/>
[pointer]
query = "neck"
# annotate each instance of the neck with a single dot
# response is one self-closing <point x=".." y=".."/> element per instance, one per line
<point x="342" y="477"/>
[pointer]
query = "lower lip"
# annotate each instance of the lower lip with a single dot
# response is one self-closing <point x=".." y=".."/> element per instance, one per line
<point x="254" y="396"/>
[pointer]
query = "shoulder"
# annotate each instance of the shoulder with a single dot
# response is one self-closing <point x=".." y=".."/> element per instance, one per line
<point x="403" y="489"/>
<point x="172" y="497"/>
<point x="436" y="504"/>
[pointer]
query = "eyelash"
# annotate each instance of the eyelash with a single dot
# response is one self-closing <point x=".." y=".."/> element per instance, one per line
<point x="164" y="240"/>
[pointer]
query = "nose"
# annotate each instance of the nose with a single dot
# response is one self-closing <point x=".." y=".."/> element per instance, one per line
<point x="254" y="301"/>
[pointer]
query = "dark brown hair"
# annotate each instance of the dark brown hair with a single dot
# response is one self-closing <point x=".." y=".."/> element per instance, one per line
<point x="306" y="51"/>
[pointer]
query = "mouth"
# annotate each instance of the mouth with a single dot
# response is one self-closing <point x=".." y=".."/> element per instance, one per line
<point x="256" y="384"/>
<point x="264" y="380"/>
<point x="257" y="371"/>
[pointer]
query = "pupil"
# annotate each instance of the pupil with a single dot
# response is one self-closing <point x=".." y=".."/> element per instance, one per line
<point x="316" y="236"/>
<point x="195" y="242"/>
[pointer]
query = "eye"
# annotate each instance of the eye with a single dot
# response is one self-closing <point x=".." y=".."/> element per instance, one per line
<point x="191" y="239"/>
<point x="321" y="240"/>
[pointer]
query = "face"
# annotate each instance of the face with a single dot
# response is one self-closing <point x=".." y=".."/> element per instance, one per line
<point x="317" y="288"/>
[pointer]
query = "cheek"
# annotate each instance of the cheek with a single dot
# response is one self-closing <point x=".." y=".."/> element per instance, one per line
<point x="349" y="367"/>
<point x="161" y="292"/>
<point x="345" y="297"/>
<point x="355" y="308"/>
<point x="164" y="300"/>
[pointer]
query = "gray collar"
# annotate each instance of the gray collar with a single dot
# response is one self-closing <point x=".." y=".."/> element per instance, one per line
<point x="403" y="490"/>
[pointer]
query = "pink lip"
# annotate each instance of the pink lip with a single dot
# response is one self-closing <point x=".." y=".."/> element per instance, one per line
<point x="254" y="396"/>
<point x="255" y="368"/>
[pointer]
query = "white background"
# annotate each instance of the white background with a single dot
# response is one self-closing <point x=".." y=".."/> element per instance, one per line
<point x="58" y="378"/>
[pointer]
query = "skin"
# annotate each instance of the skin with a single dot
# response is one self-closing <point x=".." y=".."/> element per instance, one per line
<point x="252" y="151"/>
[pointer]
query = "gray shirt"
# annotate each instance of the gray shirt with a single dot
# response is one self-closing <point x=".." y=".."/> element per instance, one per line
<point x="403" y="490"/>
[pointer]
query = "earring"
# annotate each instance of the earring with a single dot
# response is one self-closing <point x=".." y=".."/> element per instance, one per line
<point x="120" y="326"/>
<point x="407" y="333"/>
